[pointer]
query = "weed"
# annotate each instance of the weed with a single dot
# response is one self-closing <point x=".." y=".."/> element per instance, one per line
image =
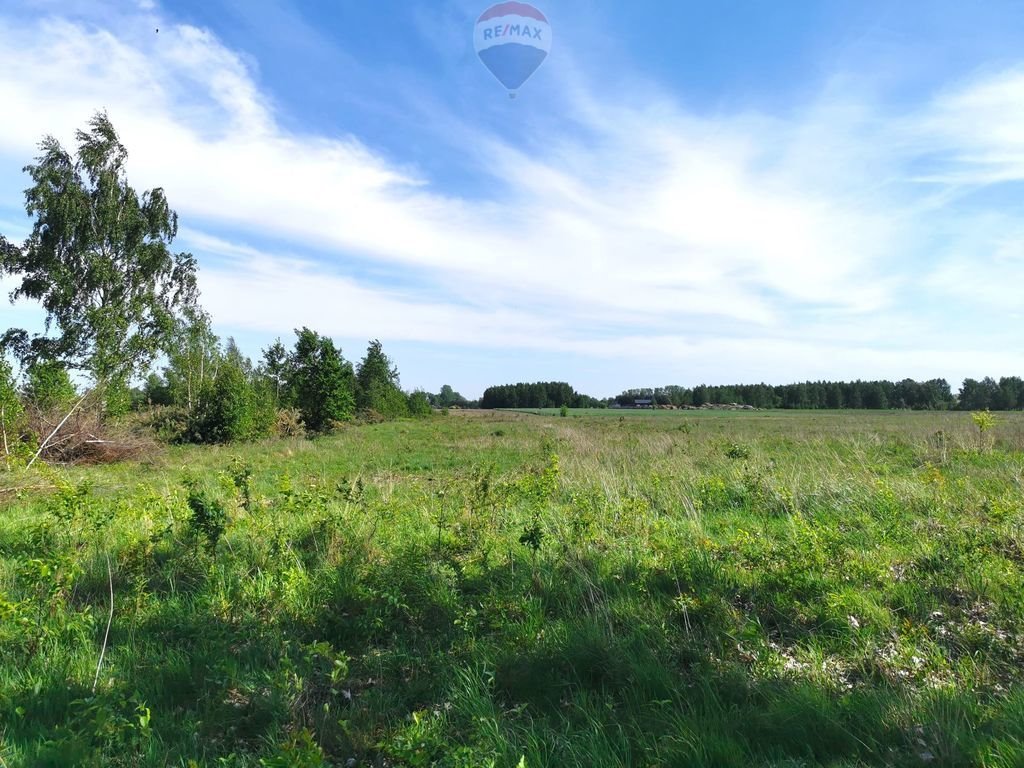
<point x="208" y="518"/>
<point x="737" y="451"/>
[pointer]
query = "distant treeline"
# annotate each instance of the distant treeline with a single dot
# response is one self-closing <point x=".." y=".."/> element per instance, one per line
<point x="542" y="394"/>
<point x="1005" y="394"/>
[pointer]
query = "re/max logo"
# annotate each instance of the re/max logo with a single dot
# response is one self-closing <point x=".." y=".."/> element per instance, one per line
<point x="492" y="33"/>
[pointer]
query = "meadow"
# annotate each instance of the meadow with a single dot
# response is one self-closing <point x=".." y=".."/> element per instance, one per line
<point x="508" y="589"/>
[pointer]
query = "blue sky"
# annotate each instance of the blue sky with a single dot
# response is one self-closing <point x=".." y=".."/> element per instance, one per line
<point x="683" y="193"/>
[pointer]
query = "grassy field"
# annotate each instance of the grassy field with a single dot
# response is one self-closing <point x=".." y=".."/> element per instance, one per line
<point x="502" y="589"/>
<point x="577" y="412"/>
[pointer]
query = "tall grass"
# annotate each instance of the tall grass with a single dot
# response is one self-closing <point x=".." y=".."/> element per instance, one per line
<point x="706" y="589"/>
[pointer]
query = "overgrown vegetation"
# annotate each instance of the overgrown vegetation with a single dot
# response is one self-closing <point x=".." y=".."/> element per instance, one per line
<point x="717" y="589"/>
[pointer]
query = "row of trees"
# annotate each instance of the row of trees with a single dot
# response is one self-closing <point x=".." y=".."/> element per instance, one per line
<point x="221" y="396"/>
<point x="1007" y="394"/>
<point x="449" y="398"/>
<point x="935" y="394"/>
<point x="542" y="394"/>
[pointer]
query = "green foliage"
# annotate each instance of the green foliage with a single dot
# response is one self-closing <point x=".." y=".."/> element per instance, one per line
<point x="242" y="480"/>
<point x="983" y="420"/>
<point x="419" y="404"/>
<point x="98" y="260"/>
<point x="737" y="451"/>
<point x="48" y="386"/>
<point x="208" y="518"/>
<point x="377" y="384"/>
<point x="193" y="359"/>
<point x="542" y="394"/>
<point x="173" y="425"/>
<point x="117" y="398"/>
<point x="563" y="411"/>
<point x="236" y="407"/>
<point x="917" y="395"/>
<point x="321" y="382"/>
<point x="156" y="391"/>
<point x="276" y="367"/>
<point x="11" y="412"/>
<point x="533" y="535"/>
<point x="448" y="397"/>
<point x="299" y="751"/>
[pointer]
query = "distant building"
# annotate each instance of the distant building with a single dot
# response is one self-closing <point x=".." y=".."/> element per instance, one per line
<point x="643" y="403"/>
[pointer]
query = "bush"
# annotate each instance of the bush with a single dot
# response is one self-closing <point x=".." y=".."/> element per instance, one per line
<point x="234" y="409"/>
<point x="393" y="403"/>
<point x="117" y="399"/>
<point x="737" y="451"/>
<point x="156" y="391"/>
<point x="419" y="405"/>
<point x="49" y="387"/>
<point x="288" y="423"/>
<point x="371" y="416"/>
<point x="207" y="519"/>
<point x="170" y="424"/>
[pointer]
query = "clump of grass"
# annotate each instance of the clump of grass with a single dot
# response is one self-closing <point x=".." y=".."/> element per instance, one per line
<point x="737" y="451"/>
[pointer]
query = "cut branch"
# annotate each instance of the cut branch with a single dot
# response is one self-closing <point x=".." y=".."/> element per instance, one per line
<point x="110" y="620"/>
<point x="56" y="429"/>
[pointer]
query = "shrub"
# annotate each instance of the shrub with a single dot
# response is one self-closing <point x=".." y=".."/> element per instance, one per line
<point x="156" y="391"/>
<point x="170" y="424"/>
<point x="419" y="405"/>
<point x="737" y="451"/>
<point x="235" y="409"/>
<point x="288" y="423"/>
<point x="208" y="518"/>
<point x="117" y="398"/>
<point x="387" y="400"/>
<point x="49" y="387"/>
<point x="983" y="420"/>
<point x="371" y="417"/>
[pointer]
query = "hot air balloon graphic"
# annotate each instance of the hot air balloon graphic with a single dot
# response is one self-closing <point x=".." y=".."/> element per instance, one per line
<point x="512" y="40"/>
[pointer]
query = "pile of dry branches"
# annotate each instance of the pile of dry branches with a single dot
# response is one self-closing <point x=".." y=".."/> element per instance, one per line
<point x="81" y="437"/>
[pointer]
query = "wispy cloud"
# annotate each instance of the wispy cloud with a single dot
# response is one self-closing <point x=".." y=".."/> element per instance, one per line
<point x="631" y="228"/>
<point x="977" y="130"/>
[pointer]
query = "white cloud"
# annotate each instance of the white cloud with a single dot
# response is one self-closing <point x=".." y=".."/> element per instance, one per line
<point x="978" y="128"/>
<point x="630" y="230"/>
